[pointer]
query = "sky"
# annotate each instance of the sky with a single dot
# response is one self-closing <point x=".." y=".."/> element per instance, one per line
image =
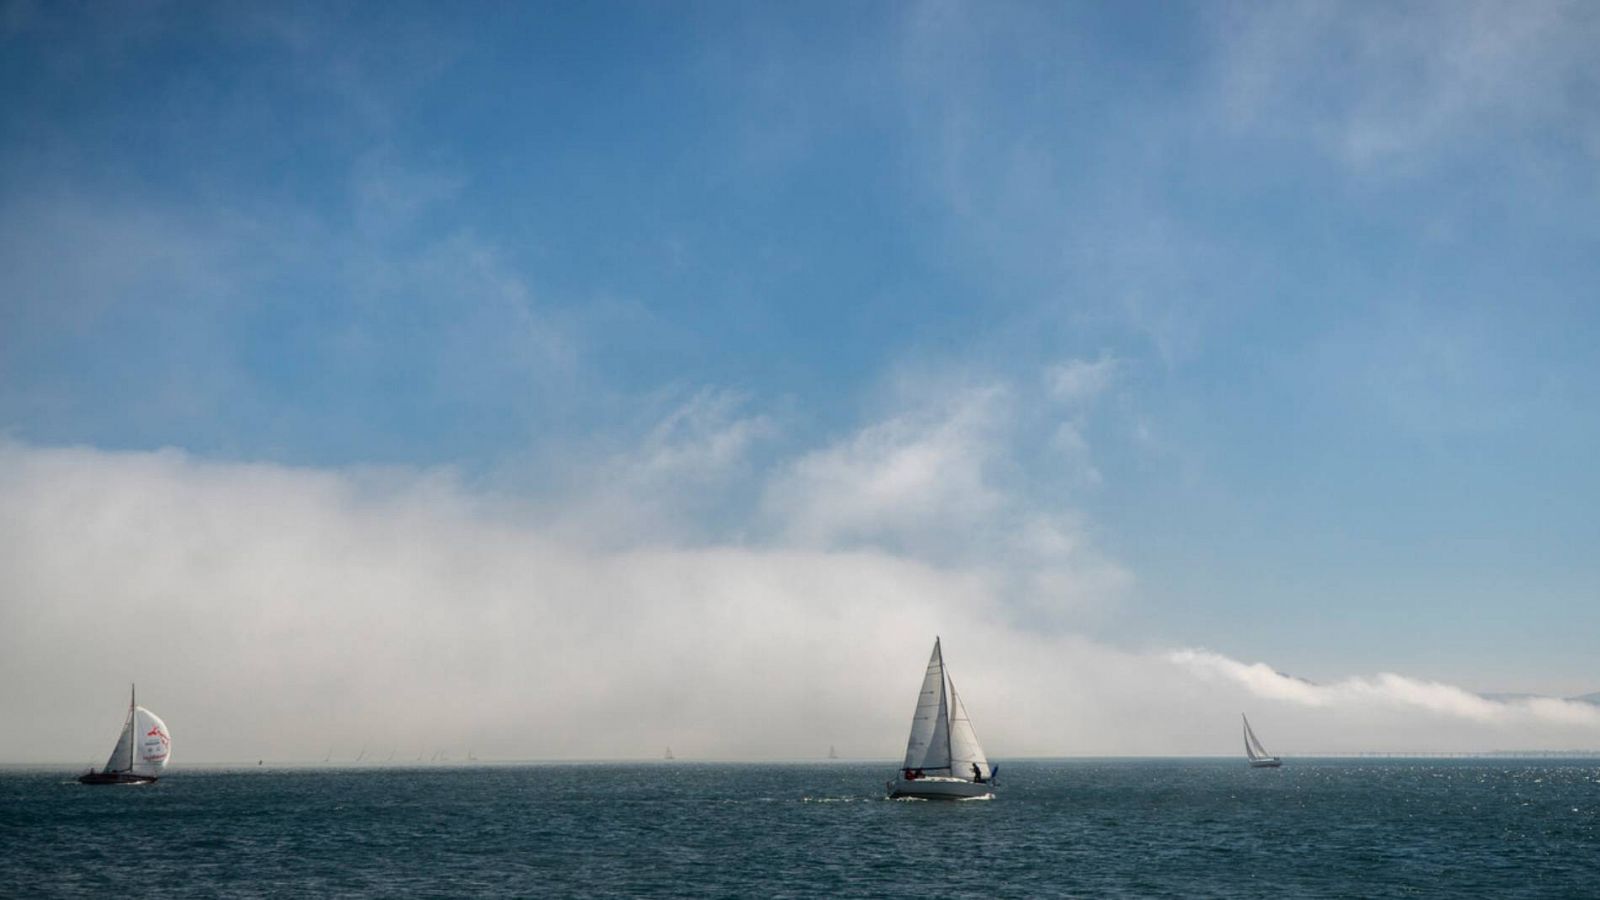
<point x="570" y="381"/>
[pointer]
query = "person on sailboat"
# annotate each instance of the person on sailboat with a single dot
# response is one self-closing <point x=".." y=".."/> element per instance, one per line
<point x="977" y="774"/>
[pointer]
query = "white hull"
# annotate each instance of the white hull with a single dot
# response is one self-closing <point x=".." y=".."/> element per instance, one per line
<point x="1271" y="763"/>
<point x="938" y="787"/>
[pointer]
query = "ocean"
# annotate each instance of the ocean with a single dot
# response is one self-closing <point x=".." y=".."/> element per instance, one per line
<point x="1059" y="828"/>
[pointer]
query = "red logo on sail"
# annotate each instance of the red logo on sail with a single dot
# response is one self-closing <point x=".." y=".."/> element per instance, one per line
<point x="156" y="732"/>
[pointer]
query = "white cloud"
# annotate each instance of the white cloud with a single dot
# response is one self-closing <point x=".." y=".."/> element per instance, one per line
<point x="270" y="612"/>
<point x="912" y="478"/>
<point x="931" y="482"/>
<point x="701" y="438"/>
<point x="1078" y="382"/>
<point x="1388" y="85"/>
<point x="1387" y="690"/>
<point x="672" y="482"/>
<point x="1077" y="385"/>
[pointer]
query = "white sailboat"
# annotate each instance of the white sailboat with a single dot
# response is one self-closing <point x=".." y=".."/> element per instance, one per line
<point x="1257" y="754"/>
<point x="141" y="752"/>
<point x="943" y="758"/>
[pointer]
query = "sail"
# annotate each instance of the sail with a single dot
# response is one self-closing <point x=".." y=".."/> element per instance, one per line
<point x="121" y="759"/>
<point x="154" y="745"/>
<point x="1252" y="744"/>
<point x="964" y="750"/>
<point x="928" y="748"/>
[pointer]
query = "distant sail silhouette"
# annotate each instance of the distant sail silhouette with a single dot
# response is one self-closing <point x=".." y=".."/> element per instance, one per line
<point x="1257" y="754"/>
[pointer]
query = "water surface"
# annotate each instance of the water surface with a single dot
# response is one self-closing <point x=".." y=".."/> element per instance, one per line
<point x="1076" y="828"/>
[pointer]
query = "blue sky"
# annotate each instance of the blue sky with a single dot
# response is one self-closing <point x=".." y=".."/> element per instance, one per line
<point x="1275" y="327"/>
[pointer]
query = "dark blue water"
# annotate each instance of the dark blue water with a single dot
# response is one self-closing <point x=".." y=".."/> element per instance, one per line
<point x="1068" y="828"/>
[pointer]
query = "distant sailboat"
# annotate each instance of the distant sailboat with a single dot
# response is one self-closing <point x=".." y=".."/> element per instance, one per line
<point x="470" y="757"/>
<point x="1257" y="754"/>
<point x="141" y="752"/>
<point x="832" y="753"/>
<point x="668" y="754"/>
<point x="943" y="758"/>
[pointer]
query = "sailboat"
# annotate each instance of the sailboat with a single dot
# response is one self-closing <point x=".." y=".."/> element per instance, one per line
<point x="668" y="754"/>
<point x="832" y="753"/>
<point x="1257" y="754"/>
<point x="142" y="749"/>
<point x="943" y="759"/>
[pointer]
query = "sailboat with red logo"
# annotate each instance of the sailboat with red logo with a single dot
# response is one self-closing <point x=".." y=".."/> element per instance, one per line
<point x="141" y="753"/>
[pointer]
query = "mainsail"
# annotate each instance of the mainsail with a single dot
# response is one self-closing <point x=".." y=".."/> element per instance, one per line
<point x="122" y="755"/>
<point x="928" y="748"/>
<point x="1252" y="744"/>
<point x="942" y="739"/>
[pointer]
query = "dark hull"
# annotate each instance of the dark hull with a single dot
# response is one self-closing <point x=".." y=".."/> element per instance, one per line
<point x="115" y="778"/>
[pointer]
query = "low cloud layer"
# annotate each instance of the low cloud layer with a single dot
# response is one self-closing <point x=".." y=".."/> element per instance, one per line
<point x="1389" y="691"/>
<point x="280" y="613"/>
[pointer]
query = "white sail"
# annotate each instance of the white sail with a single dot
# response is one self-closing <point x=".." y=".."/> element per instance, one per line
<point x="153" y="742"/>
<point x="928" y="748"/>
<point x="1252" y="744"/>
<point x="964" y="749"/>
<point x="122" y="755"/>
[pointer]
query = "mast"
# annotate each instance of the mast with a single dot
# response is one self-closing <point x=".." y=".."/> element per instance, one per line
<point x="944" y="676"/>
<point x="133" y="721"/>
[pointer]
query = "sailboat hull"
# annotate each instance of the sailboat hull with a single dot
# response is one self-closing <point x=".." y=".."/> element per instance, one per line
<point x="938" y="788"/>
<point x="115" y="778"/>
<point x="1266" y="763"/>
